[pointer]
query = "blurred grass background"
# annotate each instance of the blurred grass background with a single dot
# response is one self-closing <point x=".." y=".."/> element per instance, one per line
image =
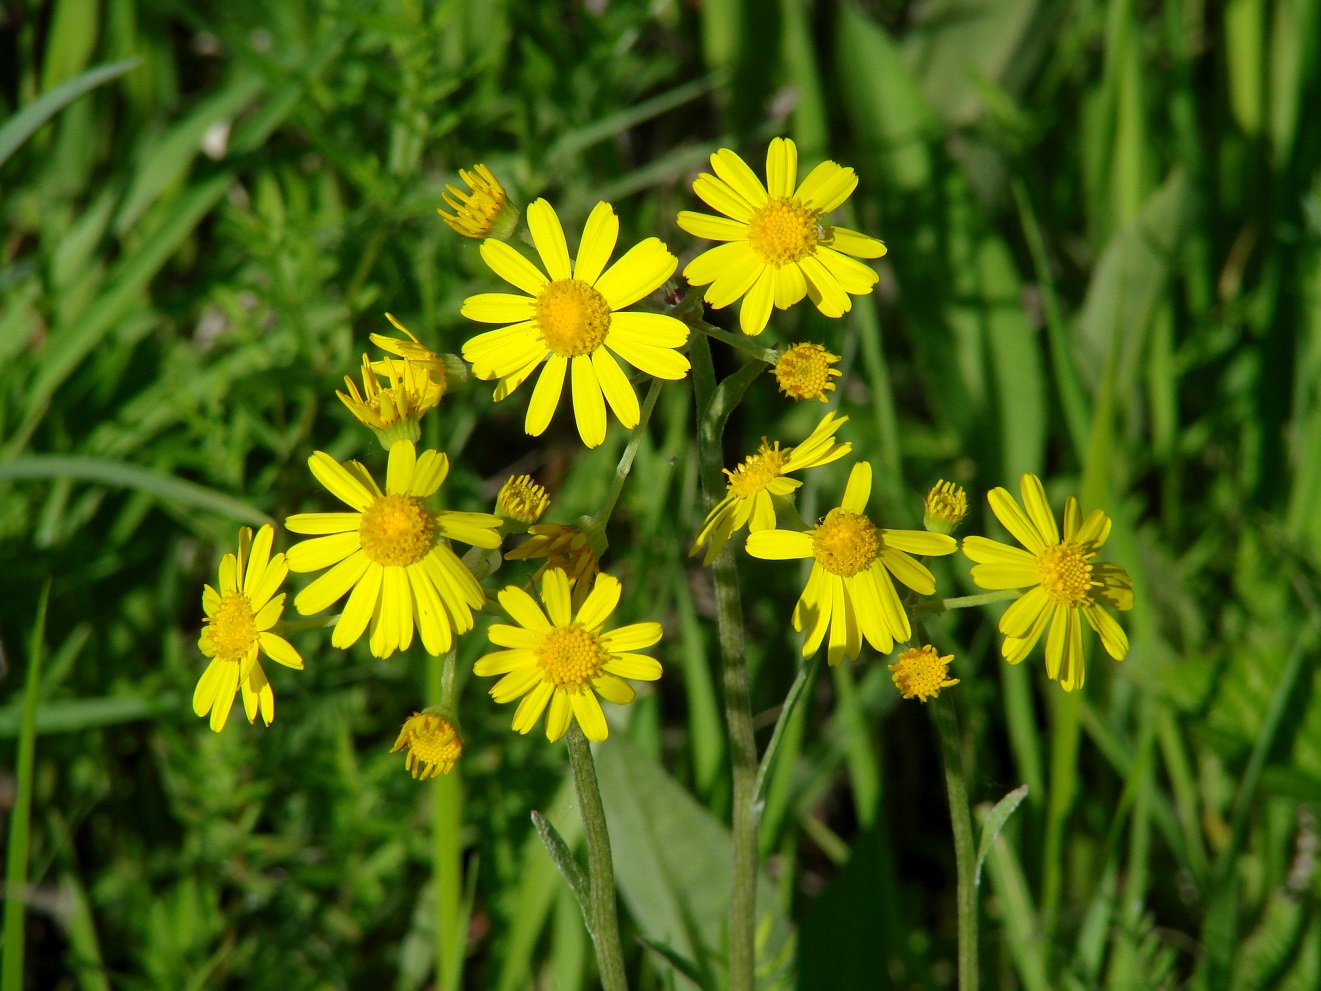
<point x="1104" y="221"/>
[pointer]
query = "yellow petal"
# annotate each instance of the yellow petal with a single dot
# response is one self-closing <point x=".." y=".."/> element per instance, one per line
<point x="639" y="273"/>
<point x="781" y="167"/>
<point x="712" y="228"/>
<point x="598" y="243"/>
<point x="780" y="545"/>
<point x="546" y="395"/>
<point x="498" y="307"/>
<point x="512" y="267"/>
<point x="548" y="236"/>
<point x="1038" y="509"/>
<point x="755" y="312"/>
<point x="587" y="710"/>
<point x="588" y="404"/>
<point x="601" y="602"/>
<point x="1015" y="521"/>
<point x="738" y="176"/>
<point x="618" y="392"/>
<point x="852" y="243"/>
<point x="826" y="187"/>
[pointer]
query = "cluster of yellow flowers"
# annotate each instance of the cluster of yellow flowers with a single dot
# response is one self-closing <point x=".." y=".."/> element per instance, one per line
<point x="391" y="558"/>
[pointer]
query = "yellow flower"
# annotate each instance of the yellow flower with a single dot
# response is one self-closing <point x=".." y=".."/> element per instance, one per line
<point x="392" y="552"/>
<point x="568" y="548"/>
<point x="433" y="744"/>
<point x="485" y="210"/>
<point x="572" y="318"/>
<point x="237" y="627"/>
<point x="1058" y="577"/>
<point x="566" y="660"/>
<point x="945" y="507"/>
<point x="849" y="589"/>
<point x="392" y="412"/>
<point x="759" y="488"/>
<point x="416" y="352"/>
<point x="803" y="372"/>
<point x="522" y="499"/>
<point x="777" y="248"/>
<point x="920" y="673"/>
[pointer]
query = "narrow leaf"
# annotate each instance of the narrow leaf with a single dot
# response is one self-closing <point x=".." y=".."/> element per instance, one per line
<point x="23" y="124"/>
<point x="568" y="867"/>
<point x="994" y="822"/>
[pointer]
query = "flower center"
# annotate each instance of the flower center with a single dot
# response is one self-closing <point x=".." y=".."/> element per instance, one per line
<point x="397" y="530"/>
<point x="758" y="471"/>
<point x="783" y="231"/>
<point x="571" y="657"/>
<point x="233" y="627"/>
<point x="845" y="543"/>
<point x="572" y="316"/>
<point x="920" y="673"/>
<point x="804" y="371"/>
<point x="522" y="499"/>
<point x="1065" y="574"/>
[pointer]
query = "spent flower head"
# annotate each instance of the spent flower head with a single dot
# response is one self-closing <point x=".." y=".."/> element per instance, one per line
<point x="921" y="672"/>
<point x="850" y="590"/>
<point x="803" y="372"/>
<point x="570" y="322"/>
<point x="564" y="658"/>
<point x="433" y="743"/>
<point x="1062" y="582"/>
<point x="945" y="506"/>
<point x="441" y="368"/>
<point x="483" y="211"/>
<point x="759" y="490"/>
<point x="777" y="247"/>
<point x="392" y="552"/>
<point x="575" y="550"/>
<point x="240" y="618"/>
<point x="392" y="411"/>
<point x="521" y="500"/>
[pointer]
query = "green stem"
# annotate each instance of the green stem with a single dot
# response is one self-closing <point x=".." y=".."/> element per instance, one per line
<point x="739" y="342"/>
<point x="960" y="816"/>
<point x="446" y="842"/>
<point x="630" y="452"/>
<point x="711" y="416"/>
<point x="806" y="670"/>
<point x="934" y="607"/>
<point x="600" y="867"/>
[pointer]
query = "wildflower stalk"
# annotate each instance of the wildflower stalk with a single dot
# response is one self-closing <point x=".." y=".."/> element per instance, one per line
<point x="934" y="607"/>
<point x="630" y="452"/>
<point x="600" y="866"/>
<point x="965" y="850"/>
<point x="446" y="842"/>
<point x="713" y="407"/>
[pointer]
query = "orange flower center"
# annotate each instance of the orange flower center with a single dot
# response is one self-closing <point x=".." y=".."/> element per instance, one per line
<point x="758" y="471"/>
<point x="571" y="657"/>
<point x="396" y="531"/>
<point x="572" y="316"/>
<point x="845" y="543"/>
<point x="783" y="231"/>
<point x="1065" y="573"/>
<point x="233" y="628"/>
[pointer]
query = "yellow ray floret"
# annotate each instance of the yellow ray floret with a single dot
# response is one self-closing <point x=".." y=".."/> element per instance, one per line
<point x="571" y="322"/>
<point x="850" y="591"/>
<point x="777" y="247"/>
<point x="392" y="552"/>
<point x="562" y="660"/>
<point x="1061" y="583"/>
<point x="240" y="617"/>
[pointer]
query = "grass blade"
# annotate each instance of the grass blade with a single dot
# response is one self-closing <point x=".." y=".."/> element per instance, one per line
<point x="23" y="124"/>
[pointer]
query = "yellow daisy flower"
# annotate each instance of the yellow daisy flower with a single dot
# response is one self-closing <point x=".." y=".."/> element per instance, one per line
<point x="485" y="210"/>
<point x="920" y="673"/>
<point x="849" y="589"/>
<point x="570" y="320"/>
<point x="759" y="488"/>
<point x="237" y="627"/>
<point x="777" y="248"/>
<point x="393" y="411"/>
<point x="415" y="351"/>
<point x="392" y="552"/>
<point x="1058" y="577"/>
<point x="569" y="548"/>
<point x="803" y="372"/>
<point x="566" y="660"/>
<point x="433" y="744"/>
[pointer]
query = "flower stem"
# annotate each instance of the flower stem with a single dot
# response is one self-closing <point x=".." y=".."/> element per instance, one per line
<point x="740" y="342"/>
<point x="711" y="417"/>
<point x="960" y="816"/>
<point x="630" y="452"/>
<point x="934" y="607"/>
<point x="600" y="867"/>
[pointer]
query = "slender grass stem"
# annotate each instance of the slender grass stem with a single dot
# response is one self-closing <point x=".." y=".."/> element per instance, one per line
<point x="446" y="842"/>
<point x="934" y="607"/>
<point x="630" y="452"/>
<point x="600" y="866"/>
<point x="713" y="407"/>
<point x="740" y="342"/>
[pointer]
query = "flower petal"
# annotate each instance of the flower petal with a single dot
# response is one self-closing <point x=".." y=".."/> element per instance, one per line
<point x="601" y="602"/>
<point x="639" y="273"/>
<point x="635" y="636"/>
<point x="790" y="286"/>
<point x="321" y="552"/>
<point x="826" y="187"/>
<point x="712" y="228"/>
<point x="557" y="719"/>
<point x="344" y="485"/>
<point x="399" y="469"/>
<point x="1000" y="577"/>
<point x="359" y="609"/>
<point x="852" y="243"/>
<point x="598" y="243"/>
<point x="1022" y="612"/>
<point x="498" y="307"/>
<point x="523" y="609"/>
<point x="986" y="551"/>
<point x="588" y="404"/>
<point x="429" y="474"/>
<point x="781" y="167"/>
<point x="853" y="276"/>
<point x="331" y="586"/>
<point x="432" y="621"/>
<point x="503" y="661"/>
<point x="618" y="392"/>
<point x="1038" y="509"/>
<point x="738" y="176"/>
<point x="812" y="611"/>
<point x="779" y="545"/>
<point x="587" y="710"/>
<point x="548" y="236"/>
<point x="546" y="396"/>
<point x="1113" y="637"/>
<point x="655" y="330"/>
<point x="722" y="197"/>
<point x="662" y="363"/>
<point x="323" y="522"/>
<point x="741" y="269"/>
<point x="1015" y="521"/>
<point x="555" y="597"/>
<point x="920" y="542"/>
<point x="637" y="667"/>
<point x="909" y="571"/>
<point x="614" y="689"/>
<point x="858" y="489"/>
<point x="507" y="263"/>
<point x="755" y="312"/>
<point x="823" y="289"/>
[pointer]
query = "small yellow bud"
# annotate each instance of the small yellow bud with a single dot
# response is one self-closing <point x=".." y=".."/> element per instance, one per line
<point x="920" y="673"/>
<point x="946" y="506"/>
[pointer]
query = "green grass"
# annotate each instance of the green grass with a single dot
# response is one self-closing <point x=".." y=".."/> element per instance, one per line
<point x="1104" y="223"/>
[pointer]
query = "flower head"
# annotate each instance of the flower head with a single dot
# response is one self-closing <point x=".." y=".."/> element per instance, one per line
<point x="803" y="372"/>
<point x="760" y="488"/>
<point x="920" y="673"/>
<point x="415" y="351"/>
<point x="392" y="552"/>
<point x="946" y="505"/>
<point x="433" y="744"/>
<point x="237" y="628"/>
<point x="569" y="548"/>
<point x="1059" y="578"/>
<point x="849" y="589"/>
<point x="393" y="411"/>
<point x="564" y="660"/>
<point x="571" y="321"/>
<point x="522" y="500"/>
<point x="777" y="247"/>
<point x="483" y="211"/>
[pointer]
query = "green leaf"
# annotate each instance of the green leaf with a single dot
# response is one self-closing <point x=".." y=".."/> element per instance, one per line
<point x="993" y="823"/>
<point x="21" y="126"/>
<point x="568" y="867"/>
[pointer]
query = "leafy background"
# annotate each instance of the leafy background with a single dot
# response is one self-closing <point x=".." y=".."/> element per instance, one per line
<point x="1104" y="222"/>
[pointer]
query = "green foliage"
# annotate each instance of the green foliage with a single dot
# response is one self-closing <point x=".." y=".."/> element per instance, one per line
<point x="1104" y="223"/>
